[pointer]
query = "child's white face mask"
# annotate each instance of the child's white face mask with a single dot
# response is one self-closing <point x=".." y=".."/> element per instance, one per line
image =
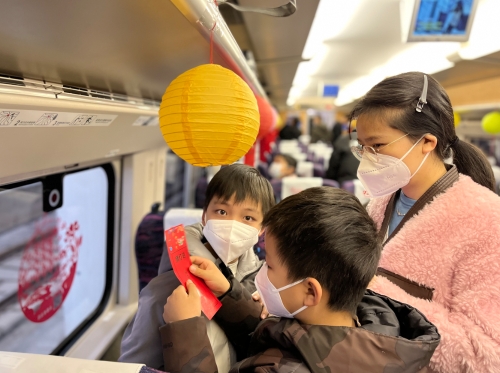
<point x="230" y="239"/>
<point x="271" y="296"/>
<point x="275" y="170"/>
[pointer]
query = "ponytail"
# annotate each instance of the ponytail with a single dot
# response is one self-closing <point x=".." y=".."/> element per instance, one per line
<point x="472" y="162"/>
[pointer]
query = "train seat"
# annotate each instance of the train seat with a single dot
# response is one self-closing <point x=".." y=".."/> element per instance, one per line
<point x="176" y="216"/>
<point x="292" y="185"/>
<point x="298" y="156"/>
<point x="305" y="169"/>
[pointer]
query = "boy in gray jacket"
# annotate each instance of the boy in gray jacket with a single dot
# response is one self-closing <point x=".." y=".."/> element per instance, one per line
<point x="237" y="199"/>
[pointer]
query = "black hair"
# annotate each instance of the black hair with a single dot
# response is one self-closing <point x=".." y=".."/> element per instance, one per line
<point x="326" y="233"/>
<point x="243" y="182"/>
<point x="395" y="99"/>
<point x="336" y="132"/>
<point x="291" y="161"/>
<point x="295" y="122"/>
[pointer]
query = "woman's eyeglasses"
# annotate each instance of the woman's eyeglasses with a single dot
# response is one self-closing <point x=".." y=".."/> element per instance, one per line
<point x="372" y="154"/>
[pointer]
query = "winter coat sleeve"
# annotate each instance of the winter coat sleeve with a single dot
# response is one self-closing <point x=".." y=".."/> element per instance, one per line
<point x="186" y="347"/>
<point x="468" y="323"/>
<point x="141" y="342"/>
<point x="238" y="317"/>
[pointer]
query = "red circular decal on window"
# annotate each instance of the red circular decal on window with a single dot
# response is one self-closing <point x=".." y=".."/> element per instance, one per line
<point x="48" y="267"/>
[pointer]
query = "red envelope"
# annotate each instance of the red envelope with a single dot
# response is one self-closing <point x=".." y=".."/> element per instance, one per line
<point x="179" y="257"/>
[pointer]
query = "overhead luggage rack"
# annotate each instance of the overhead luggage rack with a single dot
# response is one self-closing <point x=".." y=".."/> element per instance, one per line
<point x="33" y="87"/>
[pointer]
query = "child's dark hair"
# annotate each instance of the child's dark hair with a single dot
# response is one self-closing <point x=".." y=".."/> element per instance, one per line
<point x="291" y="161"/>
<point x="395" y="99"/>
<point x="243" y="182"/>
<point x="325" y="233"/>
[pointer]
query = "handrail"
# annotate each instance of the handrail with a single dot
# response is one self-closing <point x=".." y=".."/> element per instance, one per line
<point x="282" y="11"/>
<point x="205" y="16"/>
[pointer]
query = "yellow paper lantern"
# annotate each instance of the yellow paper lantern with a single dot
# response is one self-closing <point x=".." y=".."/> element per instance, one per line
<point x="209" y="116"/>
<point x="491" y="123"/>
<point x="456" y="119"/>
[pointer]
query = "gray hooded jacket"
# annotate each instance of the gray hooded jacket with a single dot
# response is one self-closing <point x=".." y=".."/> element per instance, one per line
<point x="141" y="342"/>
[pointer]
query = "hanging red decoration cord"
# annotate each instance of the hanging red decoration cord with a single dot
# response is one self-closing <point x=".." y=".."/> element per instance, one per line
<point x="212" y="37"/>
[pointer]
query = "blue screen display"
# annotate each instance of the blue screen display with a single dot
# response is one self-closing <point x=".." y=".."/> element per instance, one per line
<point x="330" y="91"/>
<point x="443" y="17"/>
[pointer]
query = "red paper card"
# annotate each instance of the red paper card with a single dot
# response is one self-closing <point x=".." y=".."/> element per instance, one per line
<point x="175" y="238"/>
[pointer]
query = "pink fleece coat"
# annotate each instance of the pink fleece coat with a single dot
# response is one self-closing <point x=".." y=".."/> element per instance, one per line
<point x="453" y="246"/>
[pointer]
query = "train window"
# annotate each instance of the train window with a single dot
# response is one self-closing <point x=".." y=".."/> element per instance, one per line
<point x="55" y="270"/>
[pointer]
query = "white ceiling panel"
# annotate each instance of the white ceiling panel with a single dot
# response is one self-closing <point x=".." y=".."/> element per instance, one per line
<point x="368" y="47"/>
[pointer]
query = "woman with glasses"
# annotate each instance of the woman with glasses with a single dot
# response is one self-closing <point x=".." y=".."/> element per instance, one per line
<point x="440" y="223"/>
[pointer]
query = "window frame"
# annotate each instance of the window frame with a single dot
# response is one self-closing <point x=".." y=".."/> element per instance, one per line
<point x="108" y="168"/>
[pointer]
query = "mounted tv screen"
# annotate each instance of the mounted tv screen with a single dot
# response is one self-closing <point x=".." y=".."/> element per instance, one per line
<point x="442" y="20"/>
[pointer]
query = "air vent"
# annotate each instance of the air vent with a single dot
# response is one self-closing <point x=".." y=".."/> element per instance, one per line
<point x="103" y="95"/>
<point x="147" y="101"/>
<point x="63" y="91"/>
<point x="122" y="98"/>
<point x="76" y="90"/>
<point x="11" y="80"/>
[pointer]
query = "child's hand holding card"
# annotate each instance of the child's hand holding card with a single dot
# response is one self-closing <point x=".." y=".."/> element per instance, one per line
<point x="179" y="257"/>
<point x="208" y="272"/>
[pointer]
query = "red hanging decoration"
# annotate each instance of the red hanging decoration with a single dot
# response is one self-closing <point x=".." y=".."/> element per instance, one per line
<point x="266" y="117"/>
<point x="250" y="157"/>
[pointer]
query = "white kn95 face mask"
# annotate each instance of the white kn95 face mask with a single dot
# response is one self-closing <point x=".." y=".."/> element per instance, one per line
<point x="229" y="238"/>
<point x="271" y="296"/>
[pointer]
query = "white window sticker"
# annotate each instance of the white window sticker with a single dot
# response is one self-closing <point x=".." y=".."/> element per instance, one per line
<point x="147" y="121"/>
<point x="35" y="118"/>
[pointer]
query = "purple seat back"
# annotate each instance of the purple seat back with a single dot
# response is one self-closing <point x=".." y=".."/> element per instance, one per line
<point x="330" y="183"/>
<point x="277" y="185"/>
<point x="149" y="246"/>
<point x="264" y="170"/>
<point x="319" y="170"/>
<point x="348" y="186"/>
<point x="201" y="189"/>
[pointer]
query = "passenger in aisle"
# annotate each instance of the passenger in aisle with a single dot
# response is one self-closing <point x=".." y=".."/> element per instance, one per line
<point x="343" y="165"/>
<point x="340" y="120"/>
<point x="322" y="251"/>
<point x="236" y="200"/>
<point x="319" y="132"/>
<point x="283" y="165"/>
<point x="440" y="222"/>
<point x="291" y="130"/>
